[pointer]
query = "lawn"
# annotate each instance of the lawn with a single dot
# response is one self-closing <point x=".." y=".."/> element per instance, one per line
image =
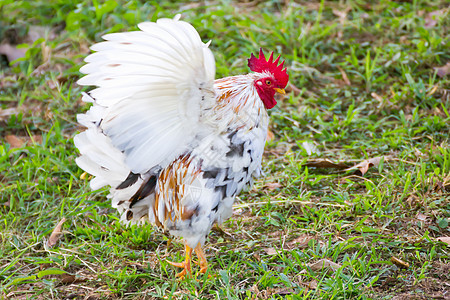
<point x="355" y="201"/>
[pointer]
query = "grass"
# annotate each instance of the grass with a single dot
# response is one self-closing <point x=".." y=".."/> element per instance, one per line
<point x="364" y="85"/>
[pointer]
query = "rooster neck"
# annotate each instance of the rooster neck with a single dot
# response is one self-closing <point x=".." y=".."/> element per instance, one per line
<point x="238" y="88"/>
<point x="237" y="102"/>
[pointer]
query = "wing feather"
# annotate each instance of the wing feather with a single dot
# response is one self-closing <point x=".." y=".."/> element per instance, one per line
<point x="152" y="86"/>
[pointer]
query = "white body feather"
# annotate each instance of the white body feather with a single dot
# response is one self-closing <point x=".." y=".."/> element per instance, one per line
<point x="160" y="121"/>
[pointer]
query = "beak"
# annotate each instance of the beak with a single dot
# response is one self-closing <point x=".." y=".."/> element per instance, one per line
<point x="281" y="91"/>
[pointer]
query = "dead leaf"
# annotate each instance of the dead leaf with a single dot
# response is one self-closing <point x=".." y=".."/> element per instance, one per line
<point x="270" y="251"/>
<point x="377" y="97"/>
<point x="433" y="90"/>
<point x="257" y="256"/>
<point x="421" y="217"/>
<point x="270" y="135"/>
<point x="272" y="185"/>
<point x="341" y="14"/>
<point x="5" y="113"/>
<point x="56" y="234"/>
<point x="276" y="233"/>
<point x="36" y="32"/>
<point x="364" y="166"/>
<point x="342" y="17"/>
<point x="300" y="242"/>
<point x="399" y="263"/>
<point x="238" y="212"/>
<point x="324" y="264"/>
<point x="67" y="278"/>
<point x="344" y="76"/>
<point x="313" y="284"/>
<point x="37" y="138"/>
<point x="444" y="239"/>
<point x="256" y="293"/>
<point x="284" y="292"/>
<point x="14" y="141"/>
<point x="431" y="18"/>
<point x="12" y="52"/>
<point x="444" y="70"/>
<point x="325" y="163"/>
<point x="19" y="141"/>
<point x="310" y="148"/>
<point x="46" y="52"/>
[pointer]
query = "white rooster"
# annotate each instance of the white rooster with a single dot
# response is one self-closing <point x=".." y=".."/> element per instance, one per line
<point x="175" y="145"/>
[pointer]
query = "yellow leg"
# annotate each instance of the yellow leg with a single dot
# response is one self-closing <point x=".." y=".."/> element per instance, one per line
<point x="202" y="259"/>
<point x="186" y="265"/>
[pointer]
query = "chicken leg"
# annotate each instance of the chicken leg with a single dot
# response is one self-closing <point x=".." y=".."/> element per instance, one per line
<point x="186" y="265"/>
<point x="203" y="263"/>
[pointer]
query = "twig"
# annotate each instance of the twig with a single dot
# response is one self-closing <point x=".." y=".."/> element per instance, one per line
<point x="405" y="161"/>
<point x="359" y="177"/>
<point x="285" y="201"/>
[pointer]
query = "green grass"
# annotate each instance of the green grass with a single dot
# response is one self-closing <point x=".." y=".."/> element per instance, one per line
<point x="365" y="85"/>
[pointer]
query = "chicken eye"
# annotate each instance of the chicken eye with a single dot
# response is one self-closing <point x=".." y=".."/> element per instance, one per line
<point x="268" y="82"/>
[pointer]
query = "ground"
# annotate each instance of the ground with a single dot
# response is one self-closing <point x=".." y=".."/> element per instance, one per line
<point x="354" y="203"/>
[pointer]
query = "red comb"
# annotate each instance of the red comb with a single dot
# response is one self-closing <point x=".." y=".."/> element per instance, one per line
<point x="260" y="65"/>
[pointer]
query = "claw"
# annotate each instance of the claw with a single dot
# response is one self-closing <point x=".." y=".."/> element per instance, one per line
<point x="186" y="269"/>
<point x="203" y="263"/>
<point x="176" y="264"/>
<point x="186" y="265"/>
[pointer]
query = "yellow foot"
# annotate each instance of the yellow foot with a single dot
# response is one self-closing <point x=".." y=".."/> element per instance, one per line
<point x="186" y="265"/>
<point x="203" y="263"/>
<point x="186" y="268"/>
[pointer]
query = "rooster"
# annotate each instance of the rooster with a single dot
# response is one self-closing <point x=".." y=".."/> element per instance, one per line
<point x="174" y="145"/>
